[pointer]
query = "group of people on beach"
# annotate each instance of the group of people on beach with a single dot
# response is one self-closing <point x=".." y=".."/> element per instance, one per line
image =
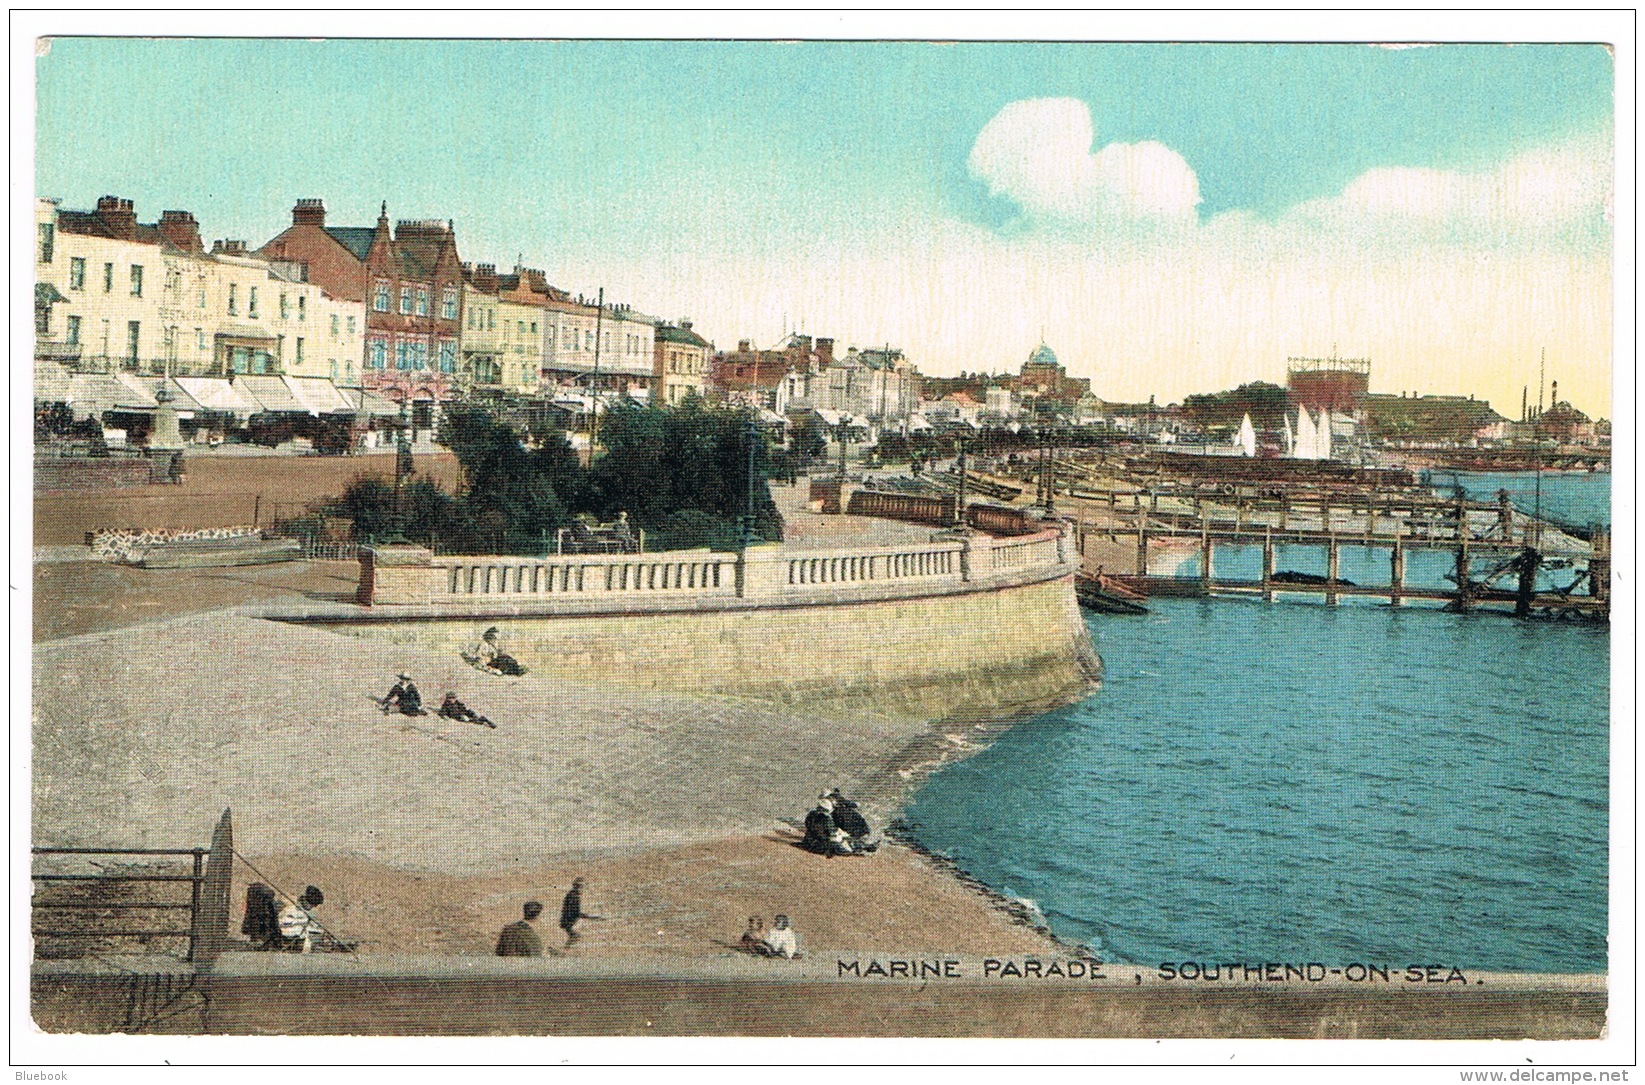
<point x="487" y="655"/>
<point x="520" y="938"/>
<point x="274" y="923"/>
<point x="836" y="826"/>
<point x="780" y="941"/>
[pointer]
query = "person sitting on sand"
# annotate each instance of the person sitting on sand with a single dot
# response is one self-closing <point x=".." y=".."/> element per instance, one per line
<point x="262" y="921"/>
<point x="782" y="940"/>
<point x="822" y="834"/>
<point x="753" y="939"/>
<point x="488" y="655"/>
<point x="849" y="818"/>
<point x="453" y="709"/>
<point x="403" y="697"/>
<point x="520" y="939"/>
<point x="299" y="930"/>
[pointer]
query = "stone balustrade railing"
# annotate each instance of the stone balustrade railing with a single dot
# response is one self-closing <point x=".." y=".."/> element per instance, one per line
<point x="412" y="575"/>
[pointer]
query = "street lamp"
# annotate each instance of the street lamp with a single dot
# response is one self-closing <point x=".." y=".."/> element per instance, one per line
<point x="959" y="504"/>
<point x="402" y="463"/>
<point x="751" y="431"/>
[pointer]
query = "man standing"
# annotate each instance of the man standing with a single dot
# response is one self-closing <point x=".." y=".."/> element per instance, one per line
<point x="519" y="939"/>
<point x="571" y="910"/>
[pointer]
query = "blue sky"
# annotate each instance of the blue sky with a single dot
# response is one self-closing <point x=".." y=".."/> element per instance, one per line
<point x="649" y="167"/>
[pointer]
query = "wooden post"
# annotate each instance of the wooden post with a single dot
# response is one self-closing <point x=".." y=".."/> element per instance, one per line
<point x="1396" y="590"/>
<point x="210" y="927"/>
<point x="1285" y="512"/>
<point x="1268" y="566"/>
<point x="1142" y="551"/>
<point x="1331" y="558"/>
<point x="1462" y="599"/>
<point x="1205" y="548"/>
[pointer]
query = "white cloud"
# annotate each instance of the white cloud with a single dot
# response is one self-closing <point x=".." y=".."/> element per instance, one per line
<point x="1037" y="153"/>
<point x="1559" y="194"/>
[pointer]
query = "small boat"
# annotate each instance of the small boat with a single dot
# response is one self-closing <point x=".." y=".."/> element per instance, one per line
<point x="1100" y="595"/>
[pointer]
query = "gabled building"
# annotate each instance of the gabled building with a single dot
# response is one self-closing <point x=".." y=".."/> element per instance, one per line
<point x="679" y="364"/>
<point x="411" y="282"/>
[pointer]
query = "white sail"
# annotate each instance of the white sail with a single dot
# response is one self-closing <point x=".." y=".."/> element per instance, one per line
<point x="1290" y="439"/>
<point x="1305" y="435"/>
<point x="1322" y="436"/>
<point x="1247" y="439"/>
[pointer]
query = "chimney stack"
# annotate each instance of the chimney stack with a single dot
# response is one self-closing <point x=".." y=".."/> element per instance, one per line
<point x="744" y="346"/>
<point x="309" y="213"/>
<point x="485" y="278"/>
<point x="181" y="231"/>
<point x="119" y="216"/>
<point x="825" y="352"/>
<point x="228" y="248"/>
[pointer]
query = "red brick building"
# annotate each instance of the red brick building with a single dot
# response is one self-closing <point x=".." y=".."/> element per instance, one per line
<point x="411" y="282"/>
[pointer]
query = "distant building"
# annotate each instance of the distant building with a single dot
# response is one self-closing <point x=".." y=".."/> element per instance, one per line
<point x="504" y="321"/>
<point x="411" y="283"/>
<point x="148" y="299"/>
<point x="621" y="361"/>
<point x="1431" y="421"/>
<point x="1044" y="384"/>
<point x="679" y="364"/>
<point x="1328" y="384"/>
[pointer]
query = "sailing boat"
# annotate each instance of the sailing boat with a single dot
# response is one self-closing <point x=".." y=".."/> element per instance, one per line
<point x="1246" y="439"/>
<point x="1305" y="435"/>
<point x="1322" y="436"/>
<point x="1290" y="438"/>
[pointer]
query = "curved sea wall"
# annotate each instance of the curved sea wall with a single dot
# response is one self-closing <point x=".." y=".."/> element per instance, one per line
<point x="966" y="626"/>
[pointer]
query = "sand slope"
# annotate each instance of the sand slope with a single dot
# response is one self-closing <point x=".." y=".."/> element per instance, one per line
<point x="143" y="736"/>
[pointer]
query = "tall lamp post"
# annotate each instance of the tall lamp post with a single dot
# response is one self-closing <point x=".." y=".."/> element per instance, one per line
<point x="751" y="431"/>
<point x="402" y="463"/>
<point x="959" y="503"/>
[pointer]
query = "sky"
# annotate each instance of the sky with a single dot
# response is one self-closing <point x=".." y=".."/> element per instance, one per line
<point x="1169" y="218"/>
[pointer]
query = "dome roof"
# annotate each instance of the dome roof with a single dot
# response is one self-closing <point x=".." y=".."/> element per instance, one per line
<point x="1043" y="355"/>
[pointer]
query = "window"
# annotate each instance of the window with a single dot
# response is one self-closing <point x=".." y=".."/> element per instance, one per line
<point x="402" y="355"/>
<point x="419" y="355"/>
<point x="405" y="301"/>
<point x="448" y="356"/>
<point x="132" y="329"/>
<point x="448" y="304"/>
<point x="108" y="278"/>
<point x="74" y="331"/>
<point x="334" y="323"/>
<point x="471" y="319"/>
<point x="200" y="339"/>
<point x="48" y="241"/>
<point x="137" y="280"/>
<point x="379" y="354"/>
<point x="533" y="327"/>
<point x="202" y="297"/>
<point x="422" y="301"/>
<point x="551" y="337"/>
<point x="251" y="303"/>
<point x="521" y="326"/>
<point x="299" y="350"/>
<point x="232" y="311"/>
<point x="379" y="302"/>
<point x="588" y="339"/>
<point x="285" y="305"/>
<point x="334" y="369"/>
<point x="42" y="318"/>
<point x="351" y="325"/>
<point x="77" y="273"/>
<point x="302" y="307"/>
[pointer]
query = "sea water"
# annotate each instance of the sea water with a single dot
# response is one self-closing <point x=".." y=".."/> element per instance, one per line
<point x="1291" y="781"/>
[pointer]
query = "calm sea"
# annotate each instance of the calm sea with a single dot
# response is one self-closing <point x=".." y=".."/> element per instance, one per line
<point x="1296" y="782"/>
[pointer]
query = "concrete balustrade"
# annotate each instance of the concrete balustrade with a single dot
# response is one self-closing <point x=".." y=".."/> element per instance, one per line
<point x="414" y="576"/>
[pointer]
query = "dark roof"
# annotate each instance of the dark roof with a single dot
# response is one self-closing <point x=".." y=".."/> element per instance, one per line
<point x="356" y="239"/>
<point x="668" y="333"/>
<point x="88" y="224"/>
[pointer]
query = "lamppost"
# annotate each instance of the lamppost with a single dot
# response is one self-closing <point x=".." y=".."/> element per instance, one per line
<point x="751" y="431"/>
<point x="402" y="463"/>
<point x="959" y="504"/>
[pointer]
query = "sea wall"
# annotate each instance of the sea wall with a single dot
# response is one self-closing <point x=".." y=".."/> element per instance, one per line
<point x="977" y="654"/>
<point x="965" y="625"/>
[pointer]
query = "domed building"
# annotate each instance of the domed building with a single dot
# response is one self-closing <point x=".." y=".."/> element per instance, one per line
<point x="1043" y="375"/>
